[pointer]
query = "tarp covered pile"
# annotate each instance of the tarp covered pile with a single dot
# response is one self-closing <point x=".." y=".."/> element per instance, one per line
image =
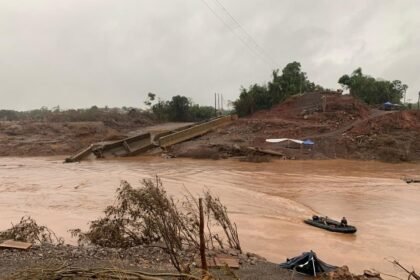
<point x="308" y="263"/>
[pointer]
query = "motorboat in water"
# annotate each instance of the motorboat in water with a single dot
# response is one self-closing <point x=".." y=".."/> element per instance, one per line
<point x="330" y="225"/>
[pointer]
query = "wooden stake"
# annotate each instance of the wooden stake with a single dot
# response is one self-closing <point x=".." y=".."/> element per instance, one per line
<point x="202" y="240"/>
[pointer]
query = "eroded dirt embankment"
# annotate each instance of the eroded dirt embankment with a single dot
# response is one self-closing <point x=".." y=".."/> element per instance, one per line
<point x="347" y="129"/>
<point x="31" y="138"/>
<point x="52" y="138"/>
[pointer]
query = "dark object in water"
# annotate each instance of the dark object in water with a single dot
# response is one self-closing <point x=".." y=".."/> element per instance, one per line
<point x="411" y="180"/>
<point x="329" y="224"/>
<point x="308" y="263"/>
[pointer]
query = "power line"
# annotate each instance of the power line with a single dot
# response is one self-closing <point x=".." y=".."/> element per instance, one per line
<point x="258" y="46"/>
<point x="231" y="29"/>
<point x="254" y="51"/>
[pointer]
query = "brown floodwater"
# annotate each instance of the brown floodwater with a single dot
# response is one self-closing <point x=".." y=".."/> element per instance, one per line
<point x="268" y="201"/>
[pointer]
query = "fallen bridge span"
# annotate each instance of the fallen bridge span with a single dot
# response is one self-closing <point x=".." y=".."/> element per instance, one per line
<point x="143" y="142"/>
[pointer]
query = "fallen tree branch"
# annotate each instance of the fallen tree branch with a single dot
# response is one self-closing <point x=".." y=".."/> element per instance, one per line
<point x="107" y="273"/>
<point x="411" y="274"/>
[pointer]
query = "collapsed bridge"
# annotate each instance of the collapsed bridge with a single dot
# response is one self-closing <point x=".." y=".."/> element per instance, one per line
<point x="143" y="142"/>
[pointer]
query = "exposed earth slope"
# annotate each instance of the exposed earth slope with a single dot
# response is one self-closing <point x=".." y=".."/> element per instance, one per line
<point x="341" y="127"/>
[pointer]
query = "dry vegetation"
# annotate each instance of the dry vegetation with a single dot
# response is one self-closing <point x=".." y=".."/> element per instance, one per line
<point x="148" y="216"/>
<point x="28" y="230"/>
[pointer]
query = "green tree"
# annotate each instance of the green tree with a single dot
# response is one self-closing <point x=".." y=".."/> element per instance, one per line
<point x="371" y="90"/>
<point x="245" y="105"/>
<point x="199" y="113"/>
<point x="161" y="110"/>
<point x="293" y="80"/>
<point x="179" y="108"/>
<point x="258" y="97"/>
<point x="150" y="98"/>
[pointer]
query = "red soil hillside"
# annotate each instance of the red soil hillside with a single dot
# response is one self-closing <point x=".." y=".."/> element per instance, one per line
<point x="347" y="128"/>
<point x="311" y="103"/>
<point x="389" y="137"/>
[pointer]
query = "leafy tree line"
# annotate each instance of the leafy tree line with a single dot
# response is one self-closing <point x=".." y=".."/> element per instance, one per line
<point x="257" y="97"/>
<point x="292" y="81"/>
<point x="373" y="91"/>
<point x="178" y="109"/>
<point x="94" y="113"/>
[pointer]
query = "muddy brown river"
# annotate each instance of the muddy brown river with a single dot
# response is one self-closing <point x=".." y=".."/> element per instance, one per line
<point x="268" y="201"/>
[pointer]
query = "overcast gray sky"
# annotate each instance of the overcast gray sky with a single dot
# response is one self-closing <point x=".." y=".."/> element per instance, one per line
<point x="79" y="53"/>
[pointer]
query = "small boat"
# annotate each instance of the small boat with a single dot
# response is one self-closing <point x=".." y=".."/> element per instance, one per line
<point x="329" y="224"/>
<point x="411" y="180"/>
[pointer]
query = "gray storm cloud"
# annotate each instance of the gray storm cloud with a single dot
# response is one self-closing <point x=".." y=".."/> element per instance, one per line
<point x="81" y="53"/>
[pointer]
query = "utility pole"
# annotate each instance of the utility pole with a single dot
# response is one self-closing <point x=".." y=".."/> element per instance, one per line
<point x="324" y="103"/>
<point x="418" y="102"/>
<point x="222" y="104"/>
<point x="218" y="103"/>
<point x="215" y="108"/>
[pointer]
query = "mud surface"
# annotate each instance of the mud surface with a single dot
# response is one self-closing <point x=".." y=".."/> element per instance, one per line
<point x="267" y="200"/>
<point x="27" y="138"/>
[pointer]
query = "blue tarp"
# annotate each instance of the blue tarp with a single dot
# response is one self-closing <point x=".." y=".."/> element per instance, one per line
<point x="308" y="142"/>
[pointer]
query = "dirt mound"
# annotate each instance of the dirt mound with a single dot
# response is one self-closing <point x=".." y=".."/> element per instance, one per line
<point x="388" y="123"/>
<point x="310" y="103"/>
<point x="303" y="116"/>
<point x="390" y="137"/>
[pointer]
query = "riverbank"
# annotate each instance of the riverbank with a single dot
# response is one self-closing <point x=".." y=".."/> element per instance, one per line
<point x="140" y="258"/>
<point x="49" y="261"/>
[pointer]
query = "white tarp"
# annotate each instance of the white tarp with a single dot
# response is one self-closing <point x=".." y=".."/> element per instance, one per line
<point x="284" y="139"/>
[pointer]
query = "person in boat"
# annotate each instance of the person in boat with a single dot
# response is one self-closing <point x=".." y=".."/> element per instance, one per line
<point x="315" y="218"/>
<point x="344" y="222"/>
